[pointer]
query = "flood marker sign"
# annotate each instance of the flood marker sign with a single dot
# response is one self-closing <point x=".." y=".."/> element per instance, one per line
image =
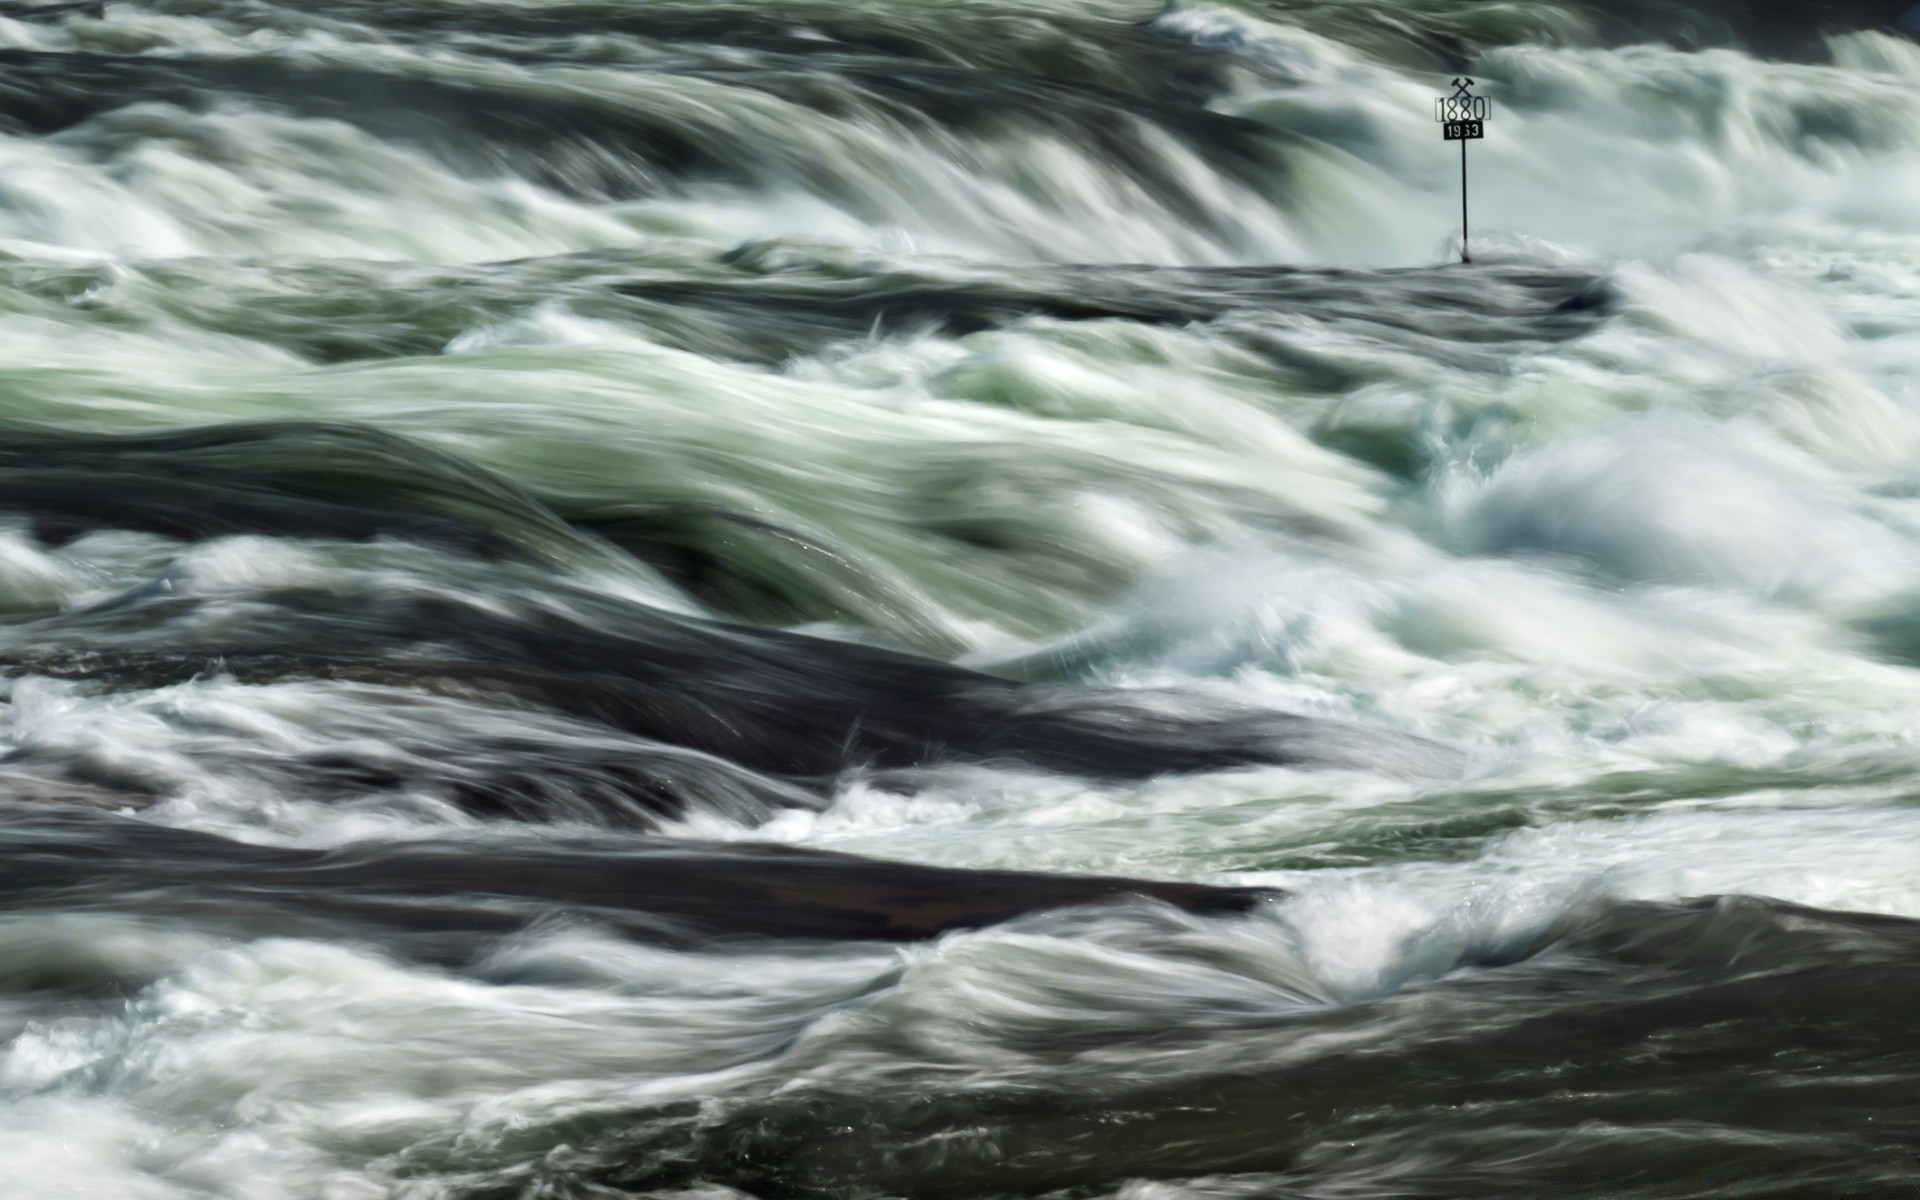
<point x="1463" y="115"/>
<point x="1463" y="118"/>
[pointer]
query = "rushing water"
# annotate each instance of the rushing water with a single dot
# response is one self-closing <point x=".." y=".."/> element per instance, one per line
<point x="957" y="598"/>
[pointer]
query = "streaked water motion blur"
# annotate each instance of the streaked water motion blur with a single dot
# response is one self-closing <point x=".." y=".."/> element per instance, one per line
<point x="772" y="599"/>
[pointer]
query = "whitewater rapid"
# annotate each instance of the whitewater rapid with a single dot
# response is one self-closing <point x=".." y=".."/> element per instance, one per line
<point x="454" y="449"/>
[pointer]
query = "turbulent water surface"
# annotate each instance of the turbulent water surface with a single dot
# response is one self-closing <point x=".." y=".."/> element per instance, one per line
<point x="772" y="599"/>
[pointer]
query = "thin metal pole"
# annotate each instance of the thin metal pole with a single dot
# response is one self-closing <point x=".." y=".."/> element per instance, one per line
<point x="1464" y="256"/>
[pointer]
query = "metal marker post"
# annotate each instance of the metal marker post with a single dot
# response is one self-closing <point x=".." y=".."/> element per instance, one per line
<point x="1462" y="119"/>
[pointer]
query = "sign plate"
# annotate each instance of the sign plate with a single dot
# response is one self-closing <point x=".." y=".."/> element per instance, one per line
<point x="1463" y="115"/>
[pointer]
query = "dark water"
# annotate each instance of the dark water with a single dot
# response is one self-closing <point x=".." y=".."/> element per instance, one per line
<point x="957" y="599"/>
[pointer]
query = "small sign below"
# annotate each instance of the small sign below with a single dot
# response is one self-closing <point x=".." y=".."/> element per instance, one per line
<point x="1464" y="131"/>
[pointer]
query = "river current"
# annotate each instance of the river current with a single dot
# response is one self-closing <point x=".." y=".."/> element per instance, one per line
<point x="957" y="599"/>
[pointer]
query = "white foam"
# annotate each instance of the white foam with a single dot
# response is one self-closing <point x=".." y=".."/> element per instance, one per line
<point x="1681" y="503"/>
<point x="1624" y="572"/>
